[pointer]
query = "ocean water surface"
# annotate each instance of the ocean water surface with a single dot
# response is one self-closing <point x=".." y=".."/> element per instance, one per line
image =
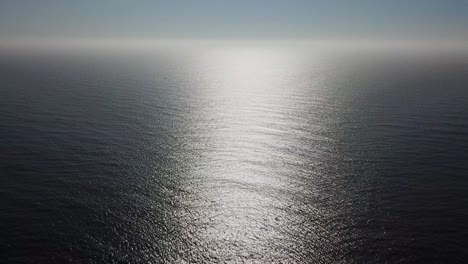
<point x="233" y="154"/>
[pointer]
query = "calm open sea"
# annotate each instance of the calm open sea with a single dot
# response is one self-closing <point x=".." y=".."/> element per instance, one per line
<point x="233" y="154"/>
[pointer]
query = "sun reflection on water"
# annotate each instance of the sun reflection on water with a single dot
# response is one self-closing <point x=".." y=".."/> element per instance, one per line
<point x="239" y="206"/>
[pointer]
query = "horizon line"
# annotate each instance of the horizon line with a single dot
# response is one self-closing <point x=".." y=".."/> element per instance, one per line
<point x="332" y="43"/>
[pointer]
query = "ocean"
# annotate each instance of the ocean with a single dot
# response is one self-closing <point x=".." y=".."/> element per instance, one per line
<point x="233" y="154"/>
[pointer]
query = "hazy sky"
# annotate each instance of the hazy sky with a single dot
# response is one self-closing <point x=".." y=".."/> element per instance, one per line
<point x="238" y="19"/>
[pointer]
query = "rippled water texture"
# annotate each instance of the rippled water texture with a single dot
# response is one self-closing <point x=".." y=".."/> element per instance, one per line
<point x="233" y="154"/>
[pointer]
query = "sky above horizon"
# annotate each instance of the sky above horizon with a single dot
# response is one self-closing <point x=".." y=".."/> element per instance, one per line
<point x="241" y="19"/>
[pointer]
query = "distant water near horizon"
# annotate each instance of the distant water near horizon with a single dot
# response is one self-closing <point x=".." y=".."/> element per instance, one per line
<point x="229" y="155"/>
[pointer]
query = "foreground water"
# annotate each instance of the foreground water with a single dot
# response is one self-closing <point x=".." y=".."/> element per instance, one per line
<point x="233" y="154"/>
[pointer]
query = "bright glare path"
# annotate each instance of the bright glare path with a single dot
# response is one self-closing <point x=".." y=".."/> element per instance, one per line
<point x="253" y="137"/>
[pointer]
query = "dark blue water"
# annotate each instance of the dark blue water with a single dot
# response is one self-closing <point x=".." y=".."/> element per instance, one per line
<point x="231" y="155"/>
